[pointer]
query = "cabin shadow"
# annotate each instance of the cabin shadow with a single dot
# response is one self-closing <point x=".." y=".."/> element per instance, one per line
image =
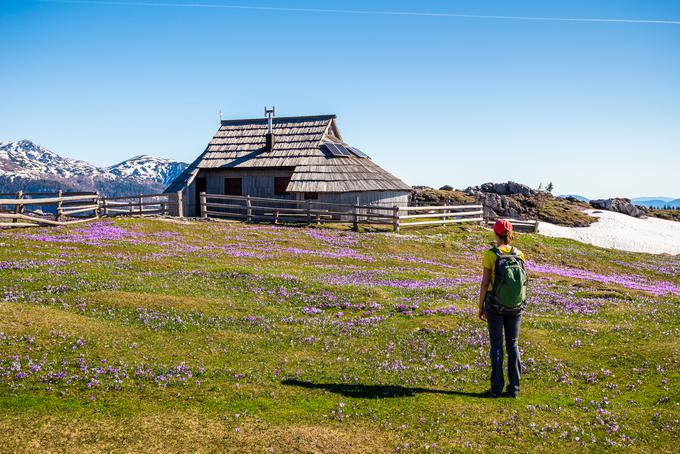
<point x="377" y="391"/>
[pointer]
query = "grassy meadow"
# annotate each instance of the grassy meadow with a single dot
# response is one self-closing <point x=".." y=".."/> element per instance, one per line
<point x="150" y="335"/>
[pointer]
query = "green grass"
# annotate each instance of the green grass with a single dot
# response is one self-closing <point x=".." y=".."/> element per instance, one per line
<point x="149" y="335"/>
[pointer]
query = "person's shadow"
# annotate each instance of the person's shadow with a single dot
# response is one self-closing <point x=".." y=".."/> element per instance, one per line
<point x="376" y="391"/>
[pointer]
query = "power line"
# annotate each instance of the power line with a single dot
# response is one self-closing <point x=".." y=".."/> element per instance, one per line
<point x="368" y="12"/>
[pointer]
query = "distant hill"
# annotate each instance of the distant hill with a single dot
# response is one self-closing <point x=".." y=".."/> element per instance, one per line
<point x="26" y="166"/>
<point x="580" y="198"/>
<point x="657" y="202"/>
<point x="649" y="202"/>
<point x="643" y="199"/>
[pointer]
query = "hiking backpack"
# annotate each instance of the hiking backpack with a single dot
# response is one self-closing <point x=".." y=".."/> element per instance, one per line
<point x="508" y="294"/>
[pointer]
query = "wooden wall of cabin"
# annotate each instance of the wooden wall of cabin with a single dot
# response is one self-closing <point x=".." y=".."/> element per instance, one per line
<point x="382" y="198"/>
<point x="256" y="182"/>
<point x="260" y="183"/>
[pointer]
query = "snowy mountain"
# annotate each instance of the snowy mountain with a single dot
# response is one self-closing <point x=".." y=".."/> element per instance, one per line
<point x="148" y="167"/>
<point x="27" y="166"/>
<point x="27" y="159"/>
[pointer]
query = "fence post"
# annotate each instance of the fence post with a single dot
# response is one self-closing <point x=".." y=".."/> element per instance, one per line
<point x="58" y="212"/>
<point x="105" y="206"/>
<point x="202" y="200"/>
<point x="180" y="204"/>
<point x="308" y="206"/>
<point x="249" y="209"/>
<point x="141" y="213"/>
<point x="276" y="216"/>
<point x="355" y="217"/>
<point x="97" y="200"/>
<point x="395" y="218"/>
<point x="19" y="207"/>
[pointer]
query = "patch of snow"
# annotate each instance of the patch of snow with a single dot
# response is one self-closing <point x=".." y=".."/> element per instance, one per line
<point x="148" y="167"/>
<point x="623" y="232"/>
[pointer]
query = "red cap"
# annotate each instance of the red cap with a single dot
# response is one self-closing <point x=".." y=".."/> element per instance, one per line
<point x="501" y="226"/>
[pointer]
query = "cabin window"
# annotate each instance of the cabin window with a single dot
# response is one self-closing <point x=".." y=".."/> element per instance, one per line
<point x="311" y="195"/>
<point x="280" y="185"/>
<point x="232" y="186"/>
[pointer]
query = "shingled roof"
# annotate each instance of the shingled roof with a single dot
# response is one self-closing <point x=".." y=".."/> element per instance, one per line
<point x="299" y="145"/>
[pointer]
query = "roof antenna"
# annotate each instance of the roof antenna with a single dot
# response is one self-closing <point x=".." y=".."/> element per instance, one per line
<point x="270" y="141"/>
<point x="220" y="116"/>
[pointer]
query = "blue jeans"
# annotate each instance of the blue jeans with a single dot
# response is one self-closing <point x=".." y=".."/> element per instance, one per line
<point x="497" y="325"/>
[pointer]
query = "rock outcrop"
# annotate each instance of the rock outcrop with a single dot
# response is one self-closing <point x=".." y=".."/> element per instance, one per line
<point x="509" y="188"/>
<point x="498" y="200"/>
<point x="496" y="205"/>
<point x="509" y="200"/>
<point x="618" y="205"/>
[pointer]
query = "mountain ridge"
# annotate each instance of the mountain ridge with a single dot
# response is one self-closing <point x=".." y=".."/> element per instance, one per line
<point x="25" y="165"/>
<point x="658" y="202"/>
<point x="649" y="202"/>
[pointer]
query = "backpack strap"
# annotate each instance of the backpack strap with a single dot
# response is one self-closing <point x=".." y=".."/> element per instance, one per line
<point x="515" y="252"/>
<point x="499" y="254"/>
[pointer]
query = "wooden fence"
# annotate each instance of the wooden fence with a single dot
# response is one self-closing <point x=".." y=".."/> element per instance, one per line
<point x="439" y="215"/>
<point x="142" y="205"/>
<point x="518" y="225"/>
<point x="251" y="209"/>
<point x="65" y="208"/>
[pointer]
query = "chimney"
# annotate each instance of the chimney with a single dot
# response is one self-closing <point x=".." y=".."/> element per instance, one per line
<point x="271" y="140"/>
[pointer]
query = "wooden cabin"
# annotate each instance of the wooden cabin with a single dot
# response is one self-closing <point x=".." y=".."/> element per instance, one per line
<point x="303" y="158"/>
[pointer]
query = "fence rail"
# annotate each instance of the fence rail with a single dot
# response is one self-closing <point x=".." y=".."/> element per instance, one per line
<point x="66" y="208"/>
<point x="519" y="225"/>
<point x="309" y="211"/>
<point x="140" y="205"/>
<point x="440" y="215"/>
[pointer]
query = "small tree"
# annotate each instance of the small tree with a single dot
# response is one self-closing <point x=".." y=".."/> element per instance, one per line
<point x="550" y="187"/>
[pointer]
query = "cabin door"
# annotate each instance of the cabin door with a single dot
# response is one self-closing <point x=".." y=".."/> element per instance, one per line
<point x="201" y="186"/>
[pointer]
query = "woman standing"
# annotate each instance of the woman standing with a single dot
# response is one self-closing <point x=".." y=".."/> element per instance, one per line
<point x="501" y="300"/>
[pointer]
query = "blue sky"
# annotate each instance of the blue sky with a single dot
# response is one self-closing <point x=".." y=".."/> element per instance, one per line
<point x="592" y="106"/>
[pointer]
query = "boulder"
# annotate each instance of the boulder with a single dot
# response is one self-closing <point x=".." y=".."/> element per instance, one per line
<point x="446" y="187"/>
<point x="488" y="187"/>
<point x="618" y="205"/>
<point x="516" y="188"/>
<point x="497" y="205"/>
<point x="508" y="188"/>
